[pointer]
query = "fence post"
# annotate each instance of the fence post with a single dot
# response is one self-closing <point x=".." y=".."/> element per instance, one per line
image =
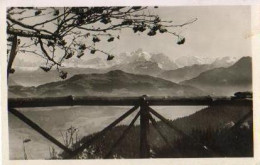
<point x="144" y="128"/>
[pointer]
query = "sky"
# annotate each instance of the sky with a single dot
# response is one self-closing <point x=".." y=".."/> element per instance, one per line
<point x="219" y="31"/>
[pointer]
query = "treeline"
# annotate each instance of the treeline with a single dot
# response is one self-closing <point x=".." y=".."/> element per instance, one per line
<point x="211" y="143"/>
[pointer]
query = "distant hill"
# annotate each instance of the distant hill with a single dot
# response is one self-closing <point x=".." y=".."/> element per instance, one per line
<point x="225" y="81"/>
<point x="112" y="83"/>
<point x="136" y="62"/>
<point x="38" y="77"/>
<point x="184" y="73"/>
<point x="21" y="91"/>
<point x="198" y="66"/>
<point x="11" y="82"/>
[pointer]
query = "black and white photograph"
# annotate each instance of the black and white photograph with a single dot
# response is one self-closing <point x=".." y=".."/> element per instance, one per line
<point x="129" y="82"/>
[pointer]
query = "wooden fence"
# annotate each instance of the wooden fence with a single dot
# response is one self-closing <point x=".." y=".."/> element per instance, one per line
<point x="145" y="113"/>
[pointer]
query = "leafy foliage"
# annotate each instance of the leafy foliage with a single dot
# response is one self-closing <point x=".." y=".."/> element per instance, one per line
<point x="73" y="30"/>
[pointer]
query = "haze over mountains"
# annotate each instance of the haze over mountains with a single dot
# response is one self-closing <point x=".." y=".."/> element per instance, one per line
<point x="163" y="61"/>
<point x="113" y="83"/>
<point x="185" y="73"/>
<point x="213" y="76"/>
<point x="221" y="81"/>
<point x="137" y="62"/>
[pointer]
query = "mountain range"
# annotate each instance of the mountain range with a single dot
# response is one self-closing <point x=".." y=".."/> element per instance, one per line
<point x="184" y="73"/>
<point x="225" y="61"/>
<point x="225" y="81"/>
<point x="196" y="67"/>
<point x="137" y="62"/>
<point x="163" y="61"/>
<point x="223" y="76"/>
<point x="113" y="83"/>
<point x="183" y="61"/>
<point x="141" y="62"/>
<point x="36" y="77"/>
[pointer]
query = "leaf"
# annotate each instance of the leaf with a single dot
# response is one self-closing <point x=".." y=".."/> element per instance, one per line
<point x="56" y="12"/>
<point x="105" y="20"/>
<point x="93" y="51"/>
<point x="10" y="38"/>
<point x="45" y="69"/>
<point x="110" y="57"/>
<point x="157" y="19"/>
<point x="62" y="42"/>
<point x="36" y="42"/>
<point x="80" y="20"/>
<point x="63" y="74"/>
<point x="140" y="28"/>
<point x="98" y="10"/>
<point x="87" y="35"/>
<point x="135" y="28"/>
<point x="69" y="55"/>
<point x="82" y="47"/>
<point x="50" y="43"/>
<point x="38" y="12"/>
<point x="151" y="33"/>
<point x="111" y="39"/>
<point x="95" y="39"/>
<point x="181" y="40"/>
<point x="162" y="29"/>
<point x="156" y="27"/>
<point x="127" y="22"/>
<point x="12" y="70"/>
<point x="80" y="54"/>
<point x="26" y="140"/>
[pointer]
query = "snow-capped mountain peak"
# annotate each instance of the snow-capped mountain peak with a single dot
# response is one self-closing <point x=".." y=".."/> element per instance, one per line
<point x="140" y="56"/>
<point x="192" y="60"/>
<point x="225" y="61"/>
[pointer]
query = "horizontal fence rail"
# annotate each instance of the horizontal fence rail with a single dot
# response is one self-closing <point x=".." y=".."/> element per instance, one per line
<point x="123" y="101"/>
<point x="145" y="113"/>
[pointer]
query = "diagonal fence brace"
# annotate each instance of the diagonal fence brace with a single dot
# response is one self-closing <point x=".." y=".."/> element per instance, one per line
<point x="39" y="129"/>
<point x="237" y="124"/>
<point x="123" y="135"/>
<point x="101" y="133"/>
<point x="181" y="132"/>
<point x="155" y="125"/>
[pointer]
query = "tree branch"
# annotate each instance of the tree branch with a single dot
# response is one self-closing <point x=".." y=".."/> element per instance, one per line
<point x="12" y="55"/>
<point x="46" y="53"/>
<point x="29" y="34"/>
<point x="27" y="26"/>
